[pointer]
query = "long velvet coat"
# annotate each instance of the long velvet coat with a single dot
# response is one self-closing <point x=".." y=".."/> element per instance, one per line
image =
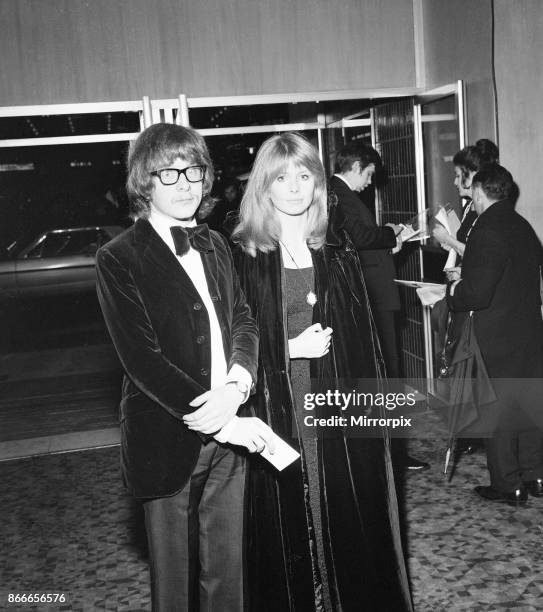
<point x="359" y="511"/>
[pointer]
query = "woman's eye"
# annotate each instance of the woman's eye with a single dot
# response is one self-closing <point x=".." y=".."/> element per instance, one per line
<point x="280" y="178"/>
<point x="305" y="177"/>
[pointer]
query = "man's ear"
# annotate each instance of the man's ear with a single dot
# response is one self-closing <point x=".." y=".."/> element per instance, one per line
<point x="356" y="167"/>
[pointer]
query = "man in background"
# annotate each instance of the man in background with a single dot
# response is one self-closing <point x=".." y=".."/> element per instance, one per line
<point x="500" y="283"/>
<point x="355" y="166"/>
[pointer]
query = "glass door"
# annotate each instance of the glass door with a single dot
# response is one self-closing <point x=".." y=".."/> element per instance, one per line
<point x="439" y="119"/>
<point x="417" y="138"/>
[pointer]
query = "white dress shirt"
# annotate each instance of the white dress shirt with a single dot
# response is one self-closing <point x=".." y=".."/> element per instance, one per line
<point x="193" y="266"/>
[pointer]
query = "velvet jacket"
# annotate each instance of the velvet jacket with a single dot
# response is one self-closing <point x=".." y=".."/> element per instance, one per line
<point x="358" y="503"/>
<point x="160" y="329"/>
<point x="373" y="244"/>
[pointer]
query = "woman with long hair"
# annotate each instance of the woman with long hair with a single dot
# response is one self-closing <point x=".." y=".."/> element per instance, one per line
<point x="467" y="162"/>
<point x="323" y="534"/>
<point x="448" y="325"/>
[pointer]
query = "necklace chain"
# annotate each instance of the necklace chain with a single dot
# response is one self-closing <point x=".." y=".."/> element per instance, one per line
<point x="310" y="298"/>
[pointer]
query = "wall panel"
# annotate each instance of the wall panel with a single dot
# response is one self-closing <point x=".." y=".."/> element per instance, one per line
<point x="74" y="50"/>
<point x="519" y="62"/>
<point x="458" y="45"/>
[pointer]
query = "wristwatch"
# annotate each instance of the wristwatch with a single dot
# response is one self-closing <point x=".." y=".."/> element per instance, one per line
<point x="242" y="387"/>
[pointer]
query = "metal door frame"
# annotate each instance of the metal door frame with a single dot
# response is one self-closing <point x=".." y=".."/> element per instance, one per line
<point x="458" y="90"/>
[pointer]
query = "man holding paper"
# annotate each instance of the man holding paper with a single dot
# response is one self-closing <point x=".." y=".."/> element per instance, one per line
<point x="188" y="345"/>
<point x="500" y="283"/>
<point x="355" y="166"/>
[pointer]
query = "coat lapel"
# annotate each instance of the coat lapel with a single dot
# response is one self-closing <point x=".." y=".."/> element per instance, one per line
<point x="156" y="257"/>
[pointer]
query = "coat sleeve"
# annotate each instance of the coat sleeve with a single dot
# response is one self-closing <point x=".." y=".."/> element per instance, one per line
<point x="482" y="269"/>
<point x="135" y="340"/>
<point x="362" y="229"/>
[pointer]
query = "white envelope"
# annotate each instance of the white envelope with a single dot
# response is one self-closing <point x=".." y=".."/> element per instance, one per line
<point x="283" y="456"/>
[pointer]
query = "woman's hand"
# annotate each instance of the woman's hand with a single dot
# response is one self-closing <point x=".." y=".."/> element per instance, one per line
<point x="312" y="342"/>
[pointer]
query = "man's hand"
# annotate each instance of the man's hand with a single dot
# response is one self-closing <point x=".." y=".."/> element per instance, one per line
<point x="312" y="342"/>
<point x="252" y="433"/>
<point x="398" y="229"/>
<point x="215" y="408"/>
<point x="453" y="274"/>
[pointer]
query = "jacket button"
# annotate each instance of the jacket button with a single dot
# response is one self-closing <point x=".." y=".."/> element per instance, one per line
<point x="197" y="306"/>
<point x="204" y="371"/>
<point x="200" y="339"/>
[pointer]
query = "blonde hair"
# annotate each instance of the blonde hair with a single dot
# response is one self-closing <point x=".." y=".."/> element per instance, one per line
<point x="258" y="227"/>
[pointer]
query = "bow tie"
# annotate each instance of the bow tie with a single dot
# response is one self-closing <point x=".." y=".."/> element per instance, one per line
<point x="198" y="237"/>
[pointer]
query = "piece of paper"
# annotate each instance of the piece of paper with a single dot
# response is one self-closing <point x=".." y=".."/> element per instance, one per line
<point x="441" y="216"/>
<point x="419" y="220"/>
<point x="417" y="284"/>
<point x="450" y="221"/>
<point x="283" y="456"/>
<point x="418" y="237"/>
<point x="453" y="221"/>
<point x="451" y="259"/>
<point x="429" y="295"/>
<point x="408" y="233"/>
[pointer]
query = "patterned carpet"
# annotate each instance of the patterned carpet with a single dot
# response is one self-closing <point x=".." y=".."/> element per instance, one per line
<point x="67" y="526"/>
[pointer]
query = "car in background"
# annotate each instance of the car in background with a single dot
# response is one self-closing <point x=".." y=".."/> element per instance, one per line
<point x="57" y="262"/>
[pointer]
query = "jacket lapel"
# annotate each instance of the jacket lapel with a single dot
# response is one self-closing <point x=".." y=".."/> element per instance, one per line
<point x="156" y="257"/>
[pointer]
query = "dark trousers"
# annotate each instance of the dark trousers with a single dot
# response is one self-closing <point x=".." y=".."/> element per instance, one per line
<point x="514" y="458"/>
<point x="195" y="538"/>
<point x="514" y="453"/>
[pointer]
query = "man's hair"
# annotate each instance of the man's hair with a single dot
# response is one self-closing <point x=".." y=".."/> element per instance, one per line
<point x="356" y="151"/>
<point x="258" y="227"/>
<point x="475" y="157"/>
<point x="158" y="147"/>
<point x="495" y="181"/>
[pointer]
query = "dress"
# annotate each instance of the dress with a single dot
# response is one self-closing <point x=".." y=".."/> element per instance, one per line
<point x="300" y="317"/>
<point x="323" y="534"/>
<point x="469" y="216"/>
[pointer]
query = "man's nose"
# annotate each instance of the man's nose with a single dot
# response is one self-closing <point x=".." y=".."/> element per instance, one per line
<point x="182" y="183"/>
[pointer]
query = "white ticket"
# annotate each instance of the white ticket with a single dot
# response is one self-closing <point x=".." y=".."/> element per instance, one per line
<point x="283" y="456"/>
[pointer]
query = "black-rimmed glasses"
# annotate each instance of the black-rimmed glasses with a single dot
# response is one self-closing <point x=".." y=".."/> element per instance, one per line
<point x="170" y="176"/>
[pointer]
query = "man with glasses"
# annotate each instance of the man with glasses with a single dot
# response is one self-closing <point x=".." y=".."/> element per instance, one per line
<point x="188" y="345"/>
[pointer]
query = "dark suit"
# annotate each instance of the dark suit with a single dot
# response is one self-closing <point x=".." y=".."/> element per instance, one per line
<point x="160" y="329"/>
<point x="373" y="244"/>
<point x="501" y="284"/>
